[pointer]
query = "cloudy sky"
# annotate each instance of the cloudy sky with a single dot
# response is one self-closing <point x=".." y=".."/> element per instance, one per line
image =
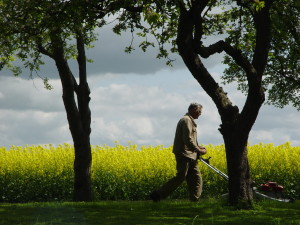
<point x="135" y="98"/>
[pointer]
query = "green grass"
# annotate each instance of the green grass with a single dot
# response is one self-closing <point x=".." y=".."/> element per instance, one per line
<point x="210" y="212"/>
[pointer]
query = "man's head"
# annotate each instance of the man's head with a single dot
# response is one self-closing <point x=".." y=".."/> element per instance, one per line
<point x="195" y="110"/>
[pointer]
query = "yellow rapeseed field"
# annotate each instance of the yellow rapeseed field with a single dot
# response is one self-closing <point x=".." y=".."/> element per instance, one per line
<point x="45" y="173"/>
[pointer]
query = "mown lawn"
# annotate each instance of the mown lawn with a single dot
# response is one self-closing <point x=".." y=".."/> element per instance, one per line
<point x="173" y="212"/>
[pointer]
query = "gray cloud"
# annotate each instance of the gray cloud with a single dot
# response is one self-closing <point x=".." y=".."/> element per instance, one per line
<point x="108" y="56"/>
<point x="277" y="125"/>
<point x="20" y="94"/>
<point x="139" y="109"/>
<point x="30" y="114"/>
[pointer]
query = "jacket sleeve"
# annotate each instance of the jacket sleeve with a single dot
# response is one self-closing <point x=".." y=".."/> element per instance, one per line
<point x="189" y="133"/>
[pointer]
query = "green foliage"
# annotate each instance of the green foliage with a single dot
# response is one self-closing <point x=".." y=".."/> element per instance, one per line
<point x="283" y="70"/>
<point x="27" y="28"/>
<point x="281" y="78"/>
<point x="154" y="19"/>
<point x="259" y="5"/>
<point x="47" y="85"/>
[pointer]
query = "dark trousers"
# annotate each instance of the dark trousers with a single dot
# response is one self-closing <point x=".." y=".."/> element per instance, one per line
<point x="187" y="169"/>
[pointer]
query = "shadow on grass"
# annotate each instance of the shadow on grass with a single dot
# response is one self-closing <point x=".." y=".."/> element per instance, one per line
<point x="146" y="212"/>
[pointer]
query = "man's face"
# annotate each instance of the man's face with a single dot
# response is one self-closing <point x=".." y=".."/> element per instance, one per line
<point x="195" y="113"/>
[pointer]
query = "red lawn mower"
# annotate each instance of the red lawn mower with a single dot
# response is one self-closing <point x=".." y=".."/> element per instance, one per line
<point x="270" y="190"/>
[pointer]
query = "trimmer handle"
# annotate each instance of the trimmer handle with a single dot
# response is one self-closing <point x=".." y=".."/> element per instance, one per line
<point x="207" y="160"/>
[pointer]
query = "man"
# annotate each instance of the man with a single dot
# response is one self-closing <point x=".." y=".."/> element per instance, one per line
<point x="187" y="151"/>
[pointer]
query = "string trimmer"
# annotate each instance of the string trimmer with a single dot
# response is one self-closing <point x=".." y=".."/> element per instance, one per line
<point x="270" y="188"/>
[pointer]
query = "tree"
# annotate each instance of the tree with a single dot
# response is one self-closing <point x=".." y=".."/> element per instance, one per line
<point x="60" y="30"/>
<point x="32" y="29"/>
<point x="261" y="48"/>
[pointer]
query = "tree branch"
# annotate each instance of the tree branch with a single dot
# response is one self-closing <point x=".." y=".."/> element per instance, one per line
<point x="245" y="5"/>
<point x="221" y="46"/>
<point x="196" y="10"/>
<point x="116" y="5"/>
<point x="43" y="50"/>
<point x="81" y="58"/>
<point x="262" y="22"/>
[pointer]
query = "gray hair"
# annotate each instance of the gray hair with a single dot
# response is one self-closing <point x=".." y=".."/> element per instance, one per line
<point x="195" y="105"/>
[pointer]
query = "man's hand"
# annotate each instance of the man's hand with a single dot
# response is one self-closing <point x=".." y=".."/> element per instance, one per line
<point x="202" y="150"/>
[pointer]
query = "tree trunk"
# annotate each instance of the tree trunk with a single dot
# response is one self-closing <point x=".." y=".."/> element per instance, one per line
<point x="78" y="115"/>
<point x="82" y="170"/>
<point x="79" y="119"/>
<point x="83" y="155"/>
<point x="240" y="183"/>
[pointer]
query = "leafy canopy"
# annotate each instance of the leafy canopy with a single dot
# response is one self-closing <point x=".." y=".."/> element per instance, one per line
<point x="27" y="25"/>
<point x="232" y="21"/>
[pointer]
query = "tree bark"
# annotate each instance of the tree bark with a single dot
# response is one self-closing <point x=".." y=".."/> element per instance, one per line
<point x="83" y="155"/>
<point x="240" y="183"/>
<point x="78" y="115"/>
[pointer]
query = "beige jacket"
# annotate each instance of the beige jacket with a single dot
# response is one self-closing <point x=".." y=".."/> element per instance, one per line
<point x="185" y="141"/>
